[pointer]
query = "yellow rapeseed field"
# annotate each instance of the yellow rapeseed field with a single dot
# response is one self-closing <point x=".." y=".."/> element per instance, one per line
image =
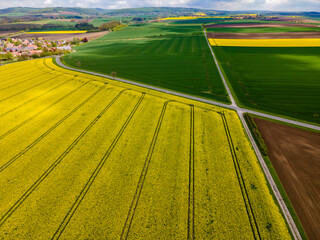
<point x="84" y="157"/>
<point x="55" y="32"/>
<point x="302" y="42"/>
<point x="191" y="17"/>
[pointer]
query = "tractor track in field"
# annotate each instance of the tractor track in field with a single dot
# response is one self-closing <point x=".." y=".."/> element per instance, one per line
<point x="244" y="192"/>
<point x="35" y="98"/>
<point x="25" y="80"/>
<point x="29" y="88"/>
<point x="191" y="211"/>
<point x="136" y="196"/>
<point x="13" y="159"/>
<point x="12" y="76"/>
<point x="95" y="173"/>
<point x="42" y="111"/>
<point x="21" y="73"/>
<point x="16" y="205"/>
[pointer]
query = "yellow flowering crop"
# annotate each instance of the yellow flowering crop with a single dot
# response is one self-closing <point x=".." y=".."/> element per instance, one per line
<point x="89" y="157"/>
<point x="301" y="42"/>
<point x="192" y="17"/>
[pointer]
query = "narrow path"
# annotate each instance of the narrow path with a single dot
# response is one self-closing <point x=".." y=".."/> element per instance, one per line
<point x="274" y="187"/>
<point x="233" y="102"/>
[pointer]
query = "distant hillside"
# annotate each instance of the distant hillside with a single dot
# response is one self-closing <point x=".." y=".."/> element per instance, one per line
<point x="100" y="11"/>
<point x="155" y="11"/>
<point x="60" y="10"/>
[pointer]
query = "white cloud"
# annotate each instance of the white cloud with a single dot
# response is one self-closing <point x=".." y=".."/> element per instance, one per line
<point x="47" y="2"/>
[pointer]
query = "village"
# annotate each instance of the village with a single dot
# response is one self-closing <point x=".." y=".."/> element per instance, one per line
<point x="14" y="49"/>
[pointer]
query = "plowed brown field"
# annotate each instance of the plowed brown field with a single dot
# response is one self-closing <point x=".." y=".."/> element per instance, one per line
<point x="258" y="25"/>
<point x="282" y="35"/>
<point x="295" y="155"/>
<point x="66" y="37"/>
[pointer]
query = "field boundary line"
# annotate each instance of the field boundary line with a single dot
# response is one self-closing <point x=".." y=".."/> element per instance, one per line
<point x="233" y="102"/>
<point x="95" y="173"/>
<point x="7" y="164"/>
<point x="191" y="205"/>
<point x="136" y="196"/>
<point x="27" y="89"/>
<point x="42" y="111"/>
<point x="32" y="99"/>
<point x="242" y="185"/>
<point x="15" y="206"/>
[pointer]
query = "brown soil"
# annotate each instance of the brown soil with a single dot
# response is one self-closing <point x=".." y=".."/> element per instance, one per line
<point x="256" y="25"/>
<point x="66" y="37"/>
<point x="283" y="35"/>
<point x="298" y="20"/>
<point x="6" y="33"/>
<point x="295" y="155"/>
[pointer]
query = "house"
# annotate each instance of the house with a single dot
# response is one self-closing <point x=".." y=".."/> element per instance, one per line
<point x="65" y="48"/>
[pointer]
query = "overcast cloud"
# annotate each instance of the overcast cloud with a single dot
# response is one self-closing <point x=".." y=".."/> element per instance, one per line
<point x="278" y="5"/>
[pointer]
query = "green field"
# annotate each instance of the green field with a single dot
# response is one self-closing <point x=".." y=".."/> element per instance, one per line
<point x="197" y="21"/>
<point x="283" y="81"/>
<point x="263" y="29"/>
<point x="252" y="21"/>
<point x="176" y="58"/>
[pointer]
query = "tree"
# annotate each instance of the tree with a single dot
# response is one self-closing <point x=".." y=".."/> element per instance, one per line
<point x="113" y="74"/>
<point x="8" y="56"/>
<point x="109" y="25"/>
<point x="75" y="41"/>
<point x="137" y="19"/>
<point x="17" y="43"/>
<point x="84" y="26"/>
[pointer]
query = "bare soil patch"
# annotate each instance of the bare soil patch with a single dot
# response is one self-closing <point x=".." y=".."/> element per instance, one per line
<point x="257" y="25"/>
<point x="295" y="155"/>
<point x="66" y="37"/>
<point x="282" y="35"/>
<point x="7" y="33"/>
<point x="298" y="20"/>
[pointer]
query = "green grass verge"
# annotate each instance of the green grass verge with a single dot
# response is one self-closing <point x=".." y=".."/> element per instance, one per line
<point x="278" y="183"/>
<point x="175" y="58"/>
<point x="256" y="134"/>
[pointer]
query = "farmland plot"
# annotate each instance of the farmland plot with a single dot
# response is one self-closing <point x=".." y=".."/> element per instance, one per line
<point x="90" y="158"/>
<point x="171" y="57"/>
<point x="281" y="80"/>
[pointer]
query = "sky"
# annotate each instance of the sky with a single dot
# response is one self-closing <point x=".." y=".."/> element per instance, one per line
<point x="274" y="5"/>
